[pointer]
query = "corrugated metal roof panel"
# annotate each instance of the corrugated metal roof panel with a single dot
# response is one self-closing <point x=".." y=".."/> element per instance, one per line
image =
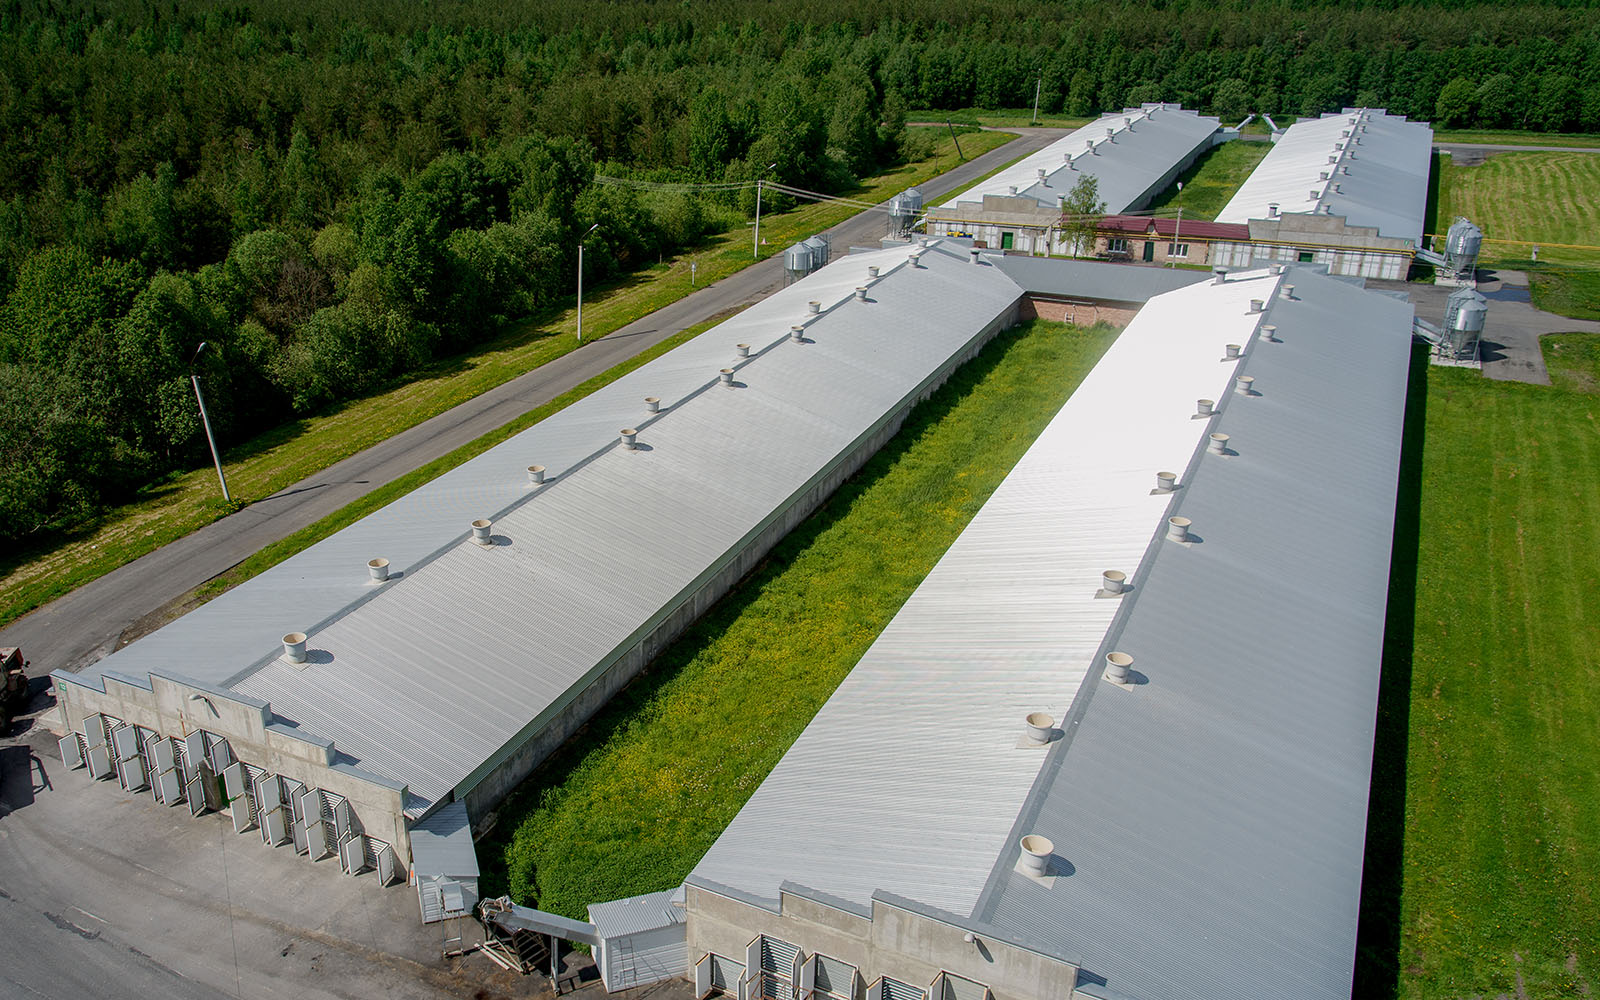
<point x="635" y="915"/>
<point x="1163" y="135"/>
<point x="1386" y="188"/>
<point x="1095" y="279"/>
<point x="425" y="679"/>
<point x="911" y="776"/>
<point x="1214" y="818"/>
<point x="441" y="844"/>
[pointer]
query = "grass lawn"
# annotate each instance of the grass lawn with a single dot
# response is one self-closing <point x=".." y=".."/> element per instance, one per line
<point x="1212" y="179"/>
<point x="1526" y="198"/>
<point x="996" y="118"/>
<point x="258" y="468"/>
<point x="635" y="799"/>
<point x="1494" y="138"/>
<point x="1498" y="868"/>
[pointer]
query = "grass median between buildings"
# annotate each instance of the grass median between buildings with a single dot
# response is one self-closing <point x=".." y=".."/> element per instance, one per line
<point x="1210" y="182"/>
<point x="174" y="507"/>
<point x="1492" y="889"/>
<point x="634" y="800"/>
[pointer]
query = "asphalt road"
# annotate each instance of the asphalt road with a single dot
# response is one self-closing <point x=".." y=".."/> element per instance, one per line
<point x="83" y="626"/>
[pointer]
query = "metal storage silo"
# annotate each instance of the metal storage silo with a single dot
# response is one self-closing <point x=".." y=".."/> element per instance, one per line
<point x="819" y="250"/>
<point x="1461" y="247"/>
<point x="1464" y="316"/>
<point x="796" y="262"/>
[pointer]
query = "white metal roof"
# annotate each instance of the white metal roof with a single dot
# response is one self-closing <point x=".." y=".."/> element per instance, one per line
<point x="1386" y="186"/>
<point x="910" y="777"/>
<point x="635" y="915"/>
<point x="1160" y="138"/>
<point x="426" y="679"/>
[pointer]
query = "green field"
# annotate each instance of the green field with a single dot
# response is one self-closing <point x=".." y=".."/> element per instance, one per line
<point x="172" y="508"/>
<point x="1494" y="138"/>
<point x="1212" y="180"/>
<point x="1519" y="199"/>
<point x="1500" y="857"/>
<point x="633" y="802"/>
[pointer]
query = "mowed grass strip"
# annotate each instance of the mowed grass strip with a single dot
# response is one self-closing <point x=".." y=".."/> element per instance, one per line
<point x="1211" y="181"/>
<point x="638" y="796"/>
<point x="1501" y="855"/>
<point x="278" y="458"/>
<point x="1537" y="197"/>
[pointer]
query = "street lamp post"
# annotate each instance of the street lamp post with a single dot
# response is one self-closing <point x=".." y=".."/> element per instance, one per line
<point x="755" y="239"/>
<point x="205" y="421"/>
<point x="1177" y="228"/>
<point x="580" y="278"/>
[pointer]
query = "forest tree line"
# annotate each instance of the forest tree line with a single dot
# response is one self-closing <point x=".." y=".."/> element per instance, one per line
<point x="332" y="195"/>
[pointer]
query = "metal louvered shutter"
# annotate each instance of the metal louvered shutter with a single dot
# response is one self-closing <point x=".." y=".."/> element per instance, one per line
<point x="958" y="988"/>
<point x="777" y="968"/>
<point x="894" y="989"/>
<point x="725" y="974"/>
<point x="834" y="977"/>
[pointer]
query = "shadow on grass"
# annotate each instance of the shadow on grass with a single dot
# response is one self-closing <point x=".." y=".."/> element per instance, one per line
<point x="632" y="704"/>
<point x="1377" y="971"/>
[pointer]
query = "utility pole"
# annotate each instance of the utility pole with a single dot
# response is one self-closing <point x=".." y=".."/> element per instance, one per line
<point x="1177" y="228"/>
<point x="205" y="420"/>
<point x="1037" y="84"/>
<point x="755" y="239"/>
<point x="580" y="279"/>
<point x="953" y="138"/>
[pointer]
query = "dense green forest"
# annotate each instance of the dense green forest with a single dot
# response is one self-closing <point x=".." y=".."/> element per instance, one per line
<point x="332" y="195"/>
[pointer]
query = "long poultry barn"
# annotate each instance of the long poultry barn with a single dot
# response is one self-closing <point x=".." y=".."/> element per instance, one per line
<point x="1118" y="744"/>
<point x="405" y="673"/>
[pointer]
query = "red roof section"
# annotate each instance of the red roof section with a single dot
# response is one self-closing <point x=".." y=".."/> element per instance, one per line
<point x="1140" y="225"/>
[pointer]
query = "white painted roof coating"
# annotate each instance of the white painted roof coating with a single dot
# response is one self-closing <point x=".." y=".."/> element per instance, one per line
<point x="911" y="776"/>
<point x="1161" y="137"/>
<point x="1386" y="186"/>
<point x="426" y="679"/>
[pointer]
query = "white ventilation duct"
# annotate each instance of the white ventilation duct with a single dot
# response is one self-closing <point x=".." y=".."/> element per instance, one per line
<point x="861" y="294"/>
<point x="743" y="349"/>
<point x="378" y="569"/>
<point x="1178" y="528"/>
<point x="1256" y="305"/>
<point x="481" y="528"/>
<point x="1166" y="482"/>
<point x="974" y="254"/>
<point x="1333" y="159"/>
<point x="814" y="308"/>
<point x="629" y="437"/>
<point x="652" y="404"/>
<point x="1111" y="135"/>
<point x="872" y="272"/>
<point x="923" y="242"/>
<point x="1322" y="176"/>
<point x="1288" y="291"/>
<point x="1204" y="407"/>
<point x="1232" y="351"/>
<point x="1315" y="194"/>
<point x="294" y="647"/>
<point x="1036" y="851"/>
<point x="1013" y="190"/>
<point x="797" y="334"/>
<point x="1218" y="444"/>
<point x="1269" y="333"/>
<point x="1272" y="210"/>
<point x="1041" y="175"/>
<point x="1243" y="384"/>
<point x="1219" y="275"/>
<point x="1114" y="581"/>
<point x="1039" y="727"/>
<point x="725" y="376"/>
<point x="1327" y="210"/>
<point x="536" y="474"/>
<point x="1119" y="666"/>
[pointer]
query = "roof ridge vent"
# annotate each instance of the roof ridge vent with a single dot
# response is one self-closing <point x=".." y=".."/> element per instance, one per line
<point x="1166" y="482"/>
<point x="872" y="272"/>
<point x="1256" y="305"/>
<point x="294" y="647"/>
<point x="481" y="531"/>
<point x="1204" y="408"/>
<point x="652" y="404"/>
<point x="1231" y="352"/>
<point x="814" y="308"/>
<point x="1244" y="385"/>
<point x="1219" y="275"/>
<point x="378" y="569"/>
<point x="743" y="350"/>
<point x="1041" y="175"/>
<point x="1178" y="528"/>
<point x="797" y="334"/>
<point x="1013" y="190"/>
<point x="1218" y="444"/>
<point x="535" y="475"/>
<point x="861" y="294"/>
<point x="1035" y="858"/>
<point x="1113" y="583"/>
<point x="629" y="436"/>
<point x="1119" y="667"/>
<point x="725" y="376"/>
<point x="1269" y="333"/>
<point x="1287" y="292"/>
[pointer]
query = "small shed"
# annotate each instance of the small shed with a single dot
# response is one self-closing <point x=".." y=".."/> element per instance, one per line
<point x="444" y="864"/>
<point x="642" y="939"/>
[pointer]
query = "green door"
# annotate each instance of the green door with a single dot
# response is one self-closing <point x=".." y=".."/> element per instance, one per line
<point x="1005" y="241"/>
<point x="1149" y="251"/>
